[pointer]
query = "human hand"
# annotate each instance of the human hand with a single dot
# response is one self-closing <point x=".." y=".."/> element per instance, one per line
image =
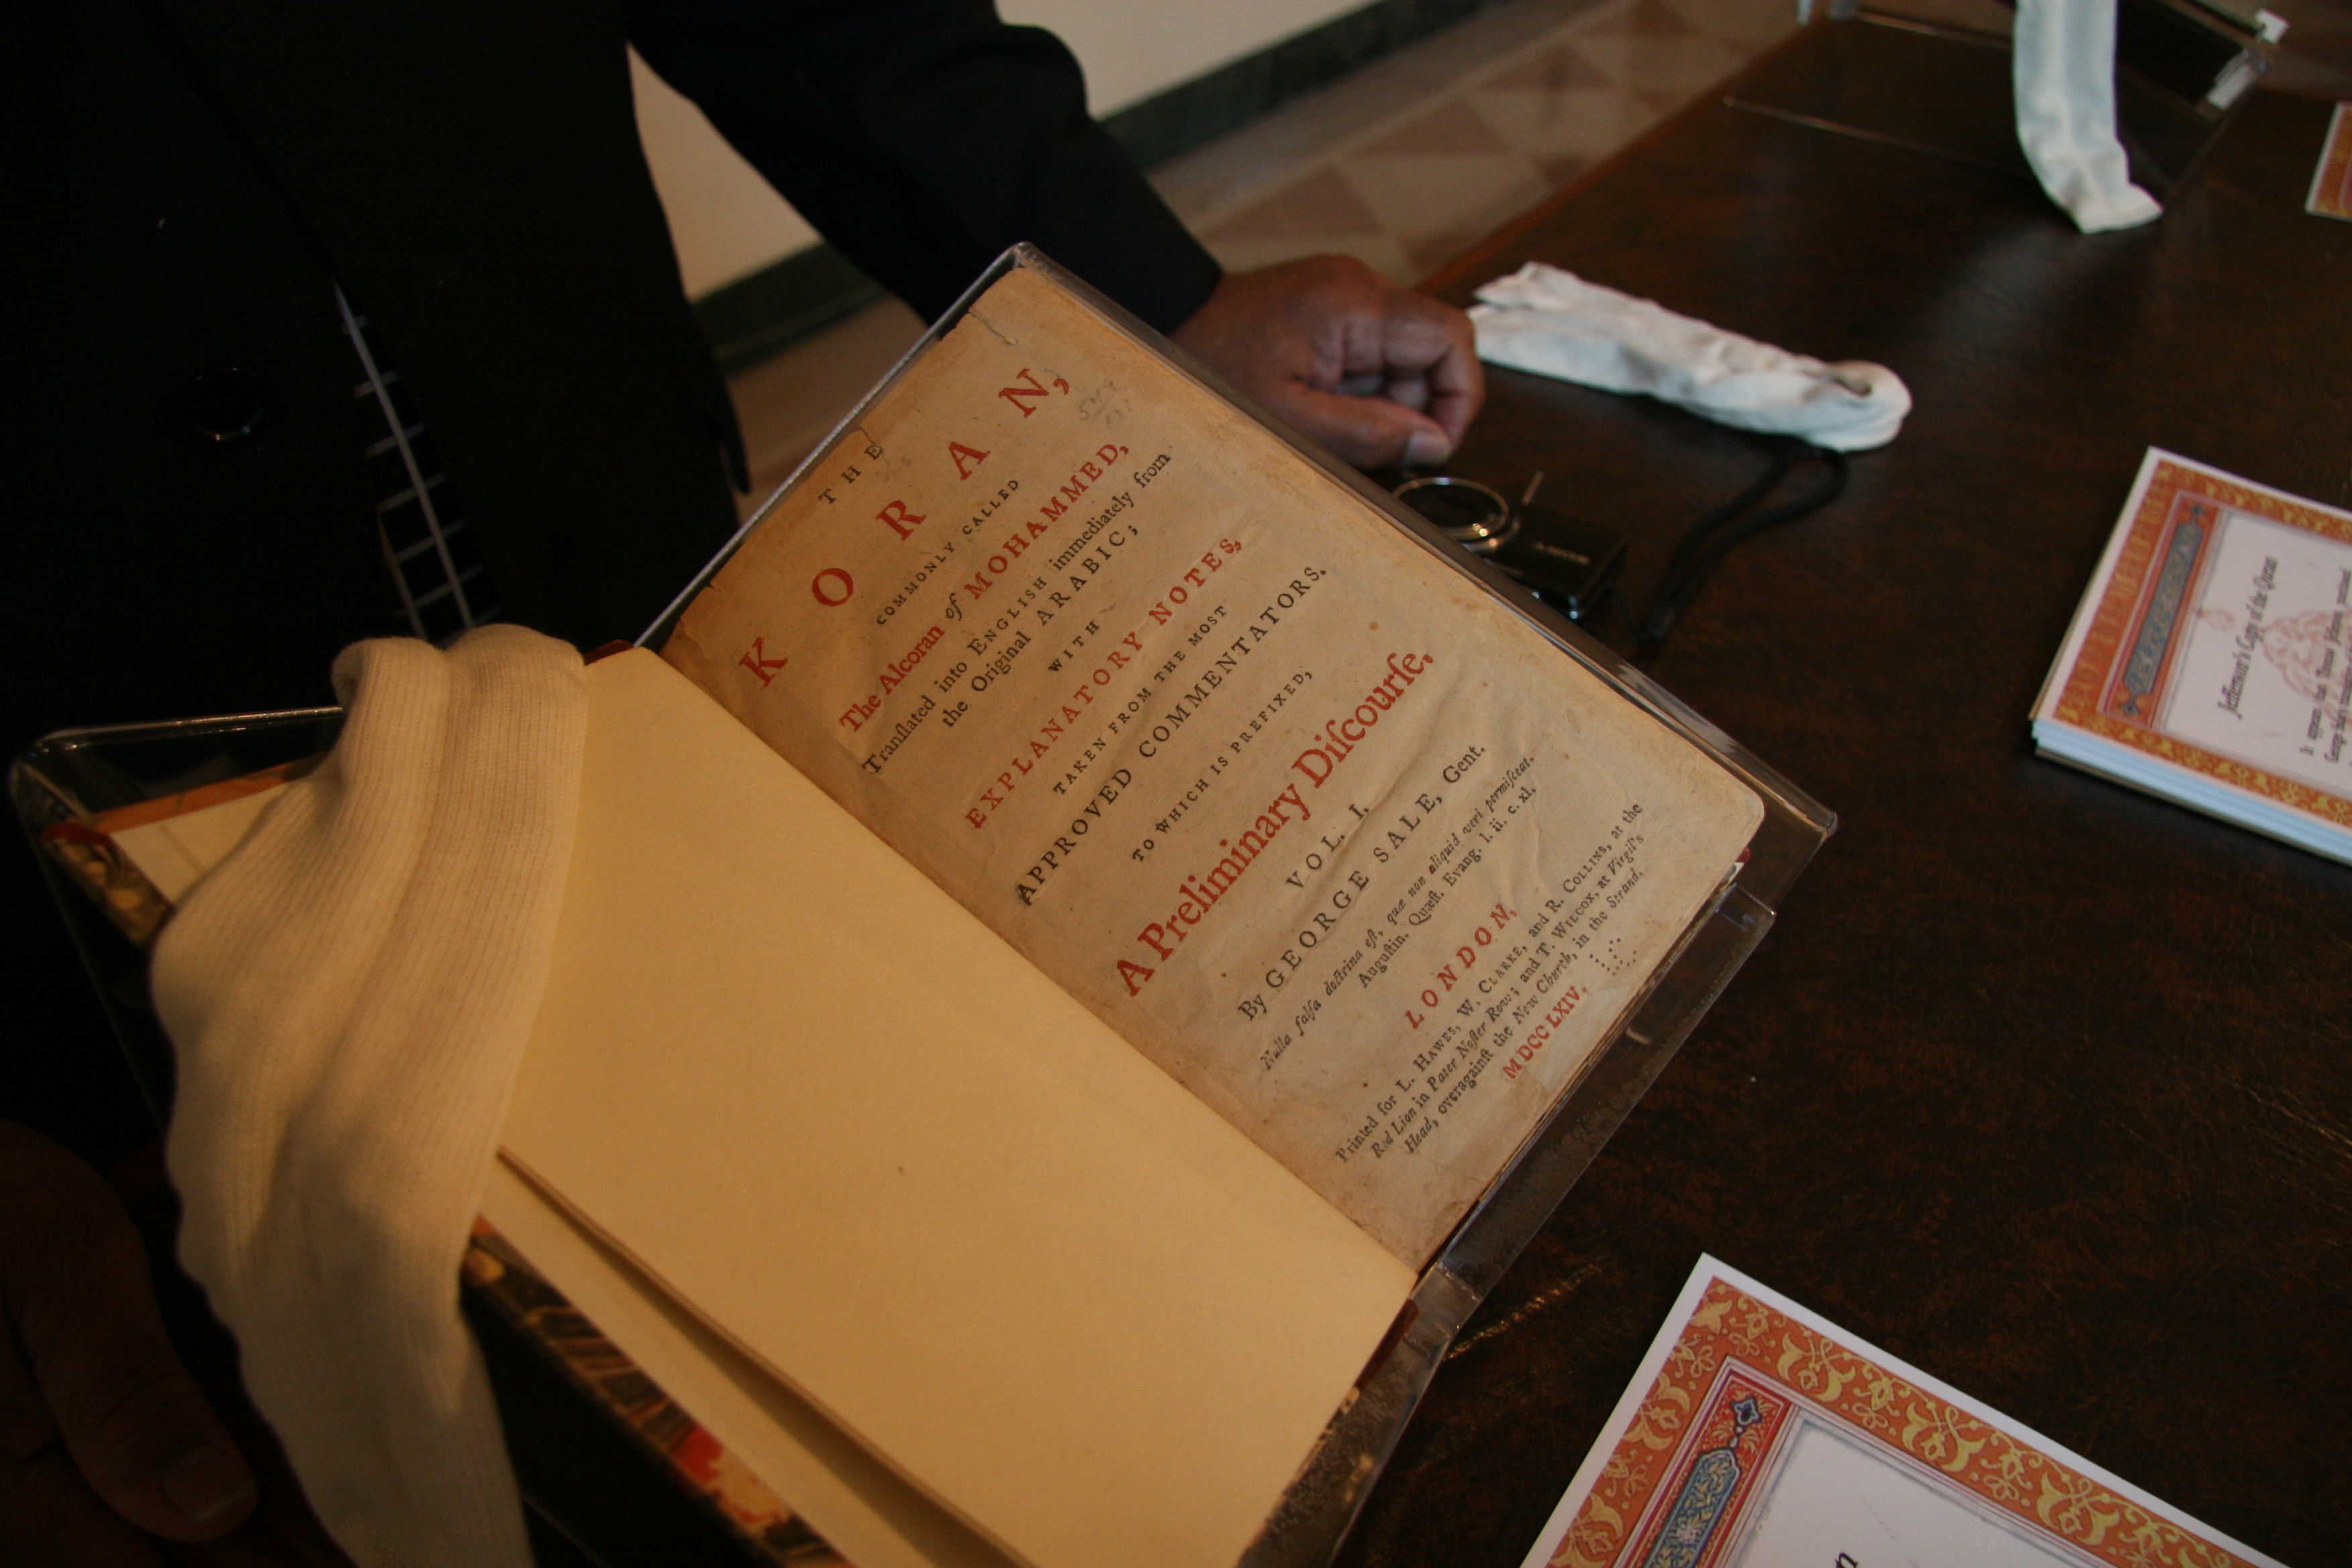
<point x="106" y="1443"/>
<point x="1380" y="374"/>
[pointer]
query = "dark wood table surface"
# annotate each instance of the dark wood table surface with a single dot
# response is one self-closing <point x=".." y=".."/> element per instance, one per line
<point x="2040" y="1083"/>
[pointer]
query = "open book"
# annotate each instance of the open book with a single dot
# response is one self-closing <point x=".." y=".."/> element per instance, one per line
<point x="1085" y="902"/>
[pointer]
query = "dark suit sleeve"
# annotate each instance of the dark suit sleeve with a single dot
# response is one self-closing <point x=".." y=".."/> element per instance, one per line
<point x="924" y="136"/>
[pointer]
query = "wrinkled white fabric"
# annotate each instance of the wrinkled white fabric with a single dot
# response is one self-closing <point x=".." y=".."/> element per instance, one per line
<point x="1552" y="322"/>
<point x="2064" y="74"/>
<point x="349" y="995"/>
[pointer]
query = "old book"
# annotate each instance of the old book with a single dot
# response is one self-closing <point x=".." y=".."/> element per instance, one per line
<point x="1199" y="888"/>
<point x="1085" y="904"/>
<point x="2209" y="660"/>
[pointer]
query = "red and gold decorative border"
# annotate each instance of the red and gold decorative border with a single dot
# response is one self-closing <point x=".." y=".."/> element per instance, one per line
<point x="2112" y="624"/>
<point x="2331" y="183"/>
<point x="1718" y="1428"/>
<point x="1677" y="1416"/>
<point x="2187" y="508"/>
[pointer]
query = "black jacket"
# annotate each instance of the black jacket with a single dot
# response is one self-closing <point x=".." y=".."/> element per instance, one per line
<point x="183" y="184"/>
<point x="188" y="180"/>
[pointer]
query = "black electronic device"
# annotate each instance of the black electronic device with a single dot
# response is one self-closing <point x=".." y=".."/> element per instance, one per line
<point x="1567" y="560"/>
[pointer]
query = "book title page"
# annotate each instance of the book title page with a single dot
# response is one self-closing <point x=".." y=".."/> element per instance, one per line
<point x="1360" y="859"/>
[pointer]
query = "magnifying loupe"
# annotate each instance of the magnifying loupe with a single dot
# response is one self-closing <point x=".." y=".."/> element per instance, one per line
<point x="1473" y="515"/>
<point x="1568" y="561"/>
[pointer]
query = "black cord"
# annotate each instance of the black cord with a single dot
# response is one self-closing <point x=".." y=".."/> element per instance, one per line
<point x="1713" y="537"/>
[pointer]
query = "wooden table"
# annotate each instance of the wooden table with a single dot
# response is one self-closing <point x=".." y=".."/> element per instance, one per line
<point x="2042" y="1084"/>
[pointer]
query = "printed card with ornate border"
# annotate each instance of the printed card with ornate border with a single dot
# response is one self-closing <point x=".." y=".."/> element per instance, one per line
<point x="2210" y="661"/>
<point x="1756" y="1433"/>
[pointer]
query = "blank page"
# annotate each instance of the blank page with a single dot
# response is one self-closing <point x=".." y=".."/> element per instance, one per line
<point x="867" y="1512"/>
<point x="867" y="1141"/>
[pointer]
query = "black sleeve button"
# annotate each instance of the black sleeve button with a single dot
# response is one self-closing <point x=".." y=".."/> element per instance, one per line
<point x="226" y="403"/>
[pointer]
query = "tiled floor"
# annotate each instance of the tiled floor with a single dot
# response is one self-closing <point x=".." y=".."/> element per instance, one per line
<point x="1405" y="164"/>
<point x="1540" y="91"/>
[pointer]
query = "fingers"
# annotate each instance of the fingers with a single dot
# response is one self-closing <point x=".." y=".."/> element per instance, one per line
<point x="1370" y="432"/>
<point x="1380" y="374"/>
<point x="93" y="1361"/>
<point x="49" y="1515"/>
<point x="1430" y="351"/>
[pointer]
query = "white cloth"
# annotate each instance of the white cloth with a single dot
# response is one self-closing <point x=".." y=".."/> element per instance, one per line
<point x="349" y="995"/>
<point x="1552" y="322"/>
<point x="2064" y="74"/>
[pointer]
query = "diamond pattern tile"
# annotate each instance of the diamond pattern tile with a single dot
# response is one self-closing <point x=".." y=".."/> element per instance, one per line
<point x="1555" y="70"/>
<point x="1408" y="185"/>
<point x="1588" y="123"/>
<point x="1323" y="202"/>
<point x="1452" y="129"/>
<point x="1418" y="195"/>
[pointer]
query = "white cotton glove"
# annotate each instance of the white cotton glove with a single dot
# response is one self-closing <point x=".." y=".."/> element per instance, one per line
<point x="349" y="995"/>
<point x="1552" y="322"/>
<point x="2065" y="75"/>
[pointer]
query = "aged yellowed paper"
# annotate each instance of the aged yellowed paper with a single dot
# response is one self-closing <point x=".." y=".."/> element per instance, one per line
<point x="1360" y="859"/>
<point x="860" y="1138"/>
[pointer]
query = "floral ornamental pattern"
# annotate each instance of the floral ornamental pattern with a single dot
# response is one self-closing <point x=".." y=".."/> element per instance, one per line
<point x="2179" y="498"/>
<point x="1736" y="1350"/>
<point x="1742" y="1420"/>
